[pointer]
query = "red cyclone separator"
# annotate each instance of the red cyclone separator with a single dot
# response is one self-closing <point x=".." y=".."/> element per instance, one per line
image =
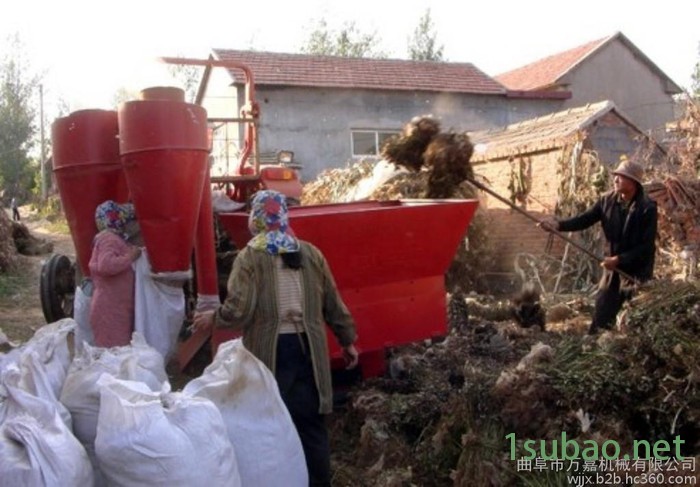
<point x="164" y="151"/>
<point x="205" y="247"/>
<point x="170" y="93"/>
<point x="162" y="125"/>
<point x="88" y="171"/>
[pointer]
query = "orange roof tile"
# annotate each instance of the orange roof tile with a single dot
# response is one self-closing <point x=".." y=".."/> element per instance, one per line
<point x="545" y="72"/>
<point x="361" y="73"/>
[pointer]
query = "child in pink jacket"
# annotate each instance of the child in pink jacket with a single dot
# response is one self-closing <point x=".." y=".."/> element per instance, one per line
<point x="112" y="306"/>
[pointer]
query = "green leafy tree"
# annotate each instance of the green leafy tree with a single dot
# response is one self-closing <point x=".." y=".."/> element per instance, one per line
<point x="18" y="93"/>
<point x="349" y="41"/>
<point x="423" y="46"/>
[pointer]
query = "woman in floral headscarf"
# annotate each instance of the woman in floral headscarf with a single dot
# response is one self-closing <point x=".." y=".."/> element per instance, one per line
<point x="112" y="304"/>
<point x="280" y="295"/>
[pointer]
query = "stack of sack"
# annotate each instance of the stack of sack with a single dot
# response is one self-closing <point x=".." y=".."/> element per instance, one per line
<point x="108" y="417"/>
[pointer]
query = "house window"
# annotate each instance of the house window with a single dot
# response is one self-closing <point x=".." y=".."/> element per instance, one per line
<point x="369" y="142"/>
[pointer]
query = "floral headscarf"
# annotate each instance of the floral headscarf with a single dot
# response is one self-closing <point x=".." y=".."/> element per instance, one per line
<point x="113" y="216"/>
<point x="269" y="223"/>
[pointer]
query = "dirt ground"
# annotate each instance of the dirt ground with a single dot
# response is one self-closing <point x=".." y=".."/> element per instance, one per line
<point x="440" y="414"/>
<point x="20" y="309"/>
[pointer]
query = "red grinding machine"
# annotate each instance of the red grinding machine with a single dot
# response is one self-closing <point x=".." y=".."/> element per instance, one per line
<point x="388" y="258"/>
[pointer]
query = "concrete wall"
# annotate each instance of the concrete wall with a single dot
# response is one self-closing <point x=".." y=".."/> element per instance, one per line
<point x="612" y="138"/>
<point x="614" y="73"/>
<point x="221" y="98"/>
<point x="222" y="101"/>
<point x="316" y="123"/>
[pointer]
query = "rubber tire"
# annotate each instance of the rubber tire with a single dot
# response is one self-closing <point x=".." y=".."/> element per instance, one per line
<point x="57" y="288"/>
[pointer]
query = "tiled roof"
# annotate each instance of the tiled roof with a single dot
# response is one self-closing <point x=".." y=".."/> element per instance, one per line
<point x="545" y="72"/>
<point x="542" y="133"/>
<point x="361" y="73"/>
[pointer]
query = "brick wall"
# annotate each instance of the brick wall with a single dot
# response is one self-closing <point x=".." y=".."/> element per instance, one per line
<point x="510" y="232"/>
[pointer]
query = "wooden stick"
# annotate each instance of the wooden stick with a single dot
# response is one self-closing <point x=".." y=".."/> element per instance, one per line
<point x="580" y="247"/>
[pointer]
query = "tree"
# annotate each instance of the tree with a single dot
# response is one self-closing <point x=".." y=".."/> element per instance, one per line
<point x="18" y="91"/>
<point x="349" y="41"/>
<point x="189" y="77"/>
<point x="123" y="94"/>
<point x="423" y="45"/>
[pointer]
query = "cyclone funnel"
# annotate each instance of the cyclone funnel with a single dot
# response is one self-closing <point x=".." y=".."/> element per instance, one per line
<point x="164" y="152"/>
<point x="88" y="171"/>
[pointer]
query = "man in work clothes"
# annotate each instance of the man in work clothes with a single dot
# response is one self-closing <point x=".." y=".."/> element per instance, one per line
<point x="15" y="209"/>
<point x="629" y="219"/>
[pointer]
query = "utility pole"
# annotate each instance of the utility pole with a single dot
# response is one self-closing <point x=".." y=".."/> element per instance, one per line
<point x="42" y="162"/>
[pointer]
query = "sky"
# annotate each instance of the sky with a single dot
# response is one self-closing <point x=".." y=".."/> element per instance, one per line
<point x="88" y="50"/>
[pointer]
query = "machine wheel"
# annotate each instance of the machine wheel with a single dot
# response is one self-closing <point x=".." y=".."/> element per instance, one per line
<point x="57" y="288"/>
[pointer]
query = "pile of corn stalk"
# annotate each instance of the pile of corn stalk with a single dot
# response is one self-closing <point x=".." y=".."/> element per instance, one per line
<point x="678" y="202"/>
<point x="338" y="185"/>
<point x="333" y="185"/>
<point x="676" y="190"/>
<point x="646" y="379"/>
<point x="441" y="414"/>
<point x="445" y="155"/>
<point x="8" y="251"/>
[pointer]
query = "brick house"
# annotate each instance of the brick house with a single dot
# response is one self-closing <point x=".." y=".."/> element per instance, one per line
<point x="612" y="68"/>
<point x="559" y="161"/>
<point x="331" y="110"/>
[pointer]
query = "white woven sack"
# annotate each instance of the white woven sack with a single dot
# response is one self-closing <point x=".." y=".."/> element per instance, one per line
<point x="81" y="392"/>
<point x="36" y="447"/>
<point x="41" y="365"/>
<point x="52" y="351"/>
<point x="159" y="309"/>
<point x="151" y="439"/>
<point x="258" y="423"/>
<point x="81" y="315"/>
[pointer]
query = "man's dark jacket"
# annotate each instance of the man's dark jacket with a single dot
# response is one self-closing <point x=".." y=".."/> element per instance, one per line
<point x="630" y="234"/>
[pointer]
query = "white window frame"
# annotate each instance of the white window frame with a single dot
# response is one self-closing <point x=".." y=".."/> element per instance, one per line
<point x="377" y="133"/>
